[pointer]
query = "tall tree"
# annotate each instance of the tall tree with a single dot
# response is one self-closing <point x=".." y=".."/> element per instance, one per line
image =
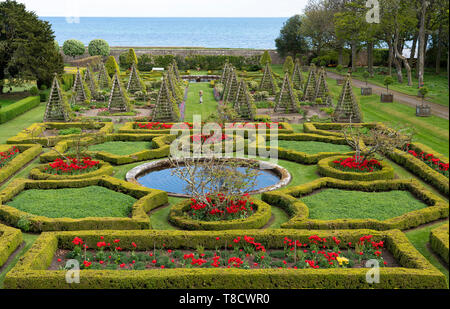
<point x="291" y="41"/>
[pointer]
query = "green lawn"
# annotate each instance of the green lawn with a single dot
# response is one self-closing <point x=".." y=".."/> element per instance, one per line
<point x="12" y="127"/>
<point x="312" y="147"/>
<point x="193" y="106"/>
<point x="122" y="148"/>
<point x="331" y="204"/>
<point x="85" y="202"/>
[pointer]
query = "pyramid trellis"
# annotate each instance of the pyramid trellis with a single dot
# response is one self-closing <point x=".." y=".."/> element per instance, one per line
<point x="309" y="92"/>
<point x="134" y="82"/>
<point x="297" y="77"/>
<point x="166" y="108"/>
<point x="322" y="90"/>
<point x="267" y="81"/>
<point x="347" y="109"/>
<point x="104" y="81"/>
<point x="243" y="102"/>
<point x="118" y="100"/>
<point x="225" y="72"/>
<point x="174" y="86"/>
<point x="57" y="109"/>
<point x="176" y="71"/>
<point x="231" y="87"/>
<point x="79" y="95"/>
<point x="91" y="82"/>
<point x="286" y="100"/>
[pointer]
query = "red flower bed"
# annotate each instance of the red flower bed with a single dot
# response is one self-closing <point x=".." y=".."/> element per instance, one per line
<point x="158" y="126"/>
<point x="73" y="167"/>
<point x="353" y="165"/>
<point x="210" y="138"/>
<point x="431" y="161"/>
<point x="242" y="252"/>
<point x="254" y="125"/>
<point x="7" y="156"/>
<point x="223" y="209"/>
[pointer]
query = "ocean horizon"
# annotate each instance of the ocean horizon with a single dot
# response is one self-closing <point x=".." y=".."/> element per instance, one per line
<point x="207" y="32"/>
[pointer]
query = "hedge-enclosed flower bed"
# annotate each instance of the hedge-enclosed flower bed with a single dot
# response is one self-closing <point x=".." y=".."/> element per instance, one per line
<point x="25" y="155"/>
<point x="329" y="167"/>
<point x="260" y="216"/>
<point x="148" y="199"/>
<point x="42" y="172"/>
<point x="287" y="199"/>
<point x="10" y="240"/>
<point x="32" y="271"/>
<point x="439" y="240"/>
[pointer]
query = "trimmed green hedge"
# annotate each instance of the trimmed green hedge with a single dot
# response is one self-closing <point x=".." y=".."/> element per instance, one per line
<point x="39" y="174"/>
<point x="162" y="149"/>
<point x="27" y="154"/>
<point x="326" y="169"/>
<point x="148" y="199"/>
<point x="10" y="240"/>
<point x="415" y="272"/>
<point x="439" y="241"/>
<point x="18" y="108"/>
<point x="26" y="135"/>
<point x="299" y="212"/>
<point x="260" y="218"/>
<point x="333" y="129"/>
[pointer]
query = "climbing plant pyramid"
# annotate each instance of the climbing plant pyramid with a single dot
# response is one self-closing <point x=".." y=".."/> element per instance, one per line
<point x="309" y="92"/>
<point x="267" y="81"/>
<point x="225" y="72"/>
<point x="297" y="78"/>
<point x="322" y="90"/>
<point x="175" y="86"/>
<point x="104" y="81"/>
<point x="81" y="93"/>
<point x="347" y="109"/>
<point x="243" y="104"/>
<point x="118" y="99"/>
<point x="286" y="100"/>
<point x="176" y="71"/>
<point x="91" y="82"/>
<point x="134" y="82"/>
<point x="57" y="109"/>
<point x="166" y="109"/>
<point x="231" y="87"/>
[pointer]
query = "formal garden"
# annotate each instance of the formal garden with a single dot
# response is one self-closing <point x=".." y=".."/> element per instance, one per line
<point x="89" y="178"/>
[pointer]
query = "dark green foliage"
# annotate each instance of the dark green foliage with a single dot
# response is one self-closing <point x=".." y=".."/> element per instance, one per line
<point x="290" y="40"/>
<point x="73" y="48"/>
<point x="98" y="47"/>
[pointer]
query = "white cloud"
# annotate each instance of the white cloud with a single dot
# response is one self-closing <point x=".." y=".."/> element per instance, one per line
<point x="166" y="8"/>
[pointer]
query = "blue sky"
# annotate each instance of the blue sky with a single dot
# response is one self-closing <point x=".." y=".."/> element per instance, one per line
<point x="166" y="8"/>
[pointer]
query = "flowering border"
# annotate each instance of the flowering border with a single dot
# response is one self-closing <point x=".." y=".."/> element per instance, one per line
<point x="326" y="169"/>
<point x="38" y="173"/>
<point x="148" y="199"/>
<point x="26" y="155"/>
<point x="287" y="199"/>
<point x="257" y="220"/>
<point x="439" y="241"/>
<point x="31" y="271"/>
<point x="10" y="240"/>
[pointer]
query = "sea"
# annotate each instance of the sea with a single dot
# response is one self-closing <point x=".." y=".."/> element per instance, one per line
<point x="255" y="33"/>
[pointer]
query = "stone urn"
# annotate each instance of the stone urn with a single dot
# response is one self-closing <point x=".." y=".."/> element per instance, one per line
<point x="366" y="91"/>
<point x="423" y="110"/>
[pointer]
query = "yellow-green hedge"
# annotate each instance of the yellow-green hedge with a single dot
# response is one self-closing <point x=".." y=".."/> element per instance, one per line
<point x="333" y="129"/>
<point x="326" y="169"/>
<point x="148" y="199"/>
<point x="415" y="272"/>
<point x="287" y="199"/>
<point x="26" y="155"/>
<point x="11" y="111"/>
<point x="38" y="173"/>
<point x="10" y="240"/>
<point x="439" y="241"/>
<point x="36" y="129"/>
<point x="260" y="218"/>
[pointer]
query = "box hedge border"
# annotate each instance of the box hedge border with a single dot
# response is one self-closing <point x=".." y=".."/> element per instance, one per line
<point x="325" y="169"/>
<point x="162" y="143"/>
<point x="104" y="169"/>
<point x="27" y="154"/>
<point x="260" y="218"/>
<point x="26" y="135"/>
<point x="299" y="212"/>
<point x="148" y="199"/>
<point x="10" y="240"/>
<point x="31" y="271"/>
<point x="18" y="108"/>
<point x="439" y="241"/>
<point x="326" y="129"/>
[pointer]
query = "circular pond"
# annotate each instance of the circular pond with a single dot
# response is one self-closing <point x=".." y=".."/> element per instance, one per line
<point x="159" y="175"/>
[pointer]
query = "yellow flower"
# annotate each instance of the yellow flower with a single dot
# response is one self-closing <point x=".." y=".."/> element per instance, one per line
<point x="342" y="260"/>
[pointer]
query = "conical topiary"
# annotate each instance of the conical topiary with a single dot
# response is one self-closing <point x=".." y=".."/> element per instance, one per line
<point x="297" y="77"/>
<point x="134" y="82"/>
<point x="244" y="103"/>
<point x="347" y="109"/>
<point x="166" y="109"/>
<point x="286" y="100"/>
<point x="309" y="93"/>
<point x="104" y="81"/>
<point x="322" y="91"/>
<point x="57" y="108"/>
<point x="267" y="82"/>
<point x="80" y="91"/>
<point x="231" y="87"/>
<point x="91" y="83"/>
<point x="118" y="99"/>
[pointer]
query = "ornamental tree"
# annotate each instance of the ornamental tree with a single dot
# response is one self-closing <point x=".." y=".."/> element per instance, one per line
<point x="265" y="58"/>
<point x="388" y="80"/>
<point x="288" y="66"/>
<point x="73" y="48"/>
<point x="98" y="47"/>
<point x="111" y="66"/>
<point x="291" y="41"/>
